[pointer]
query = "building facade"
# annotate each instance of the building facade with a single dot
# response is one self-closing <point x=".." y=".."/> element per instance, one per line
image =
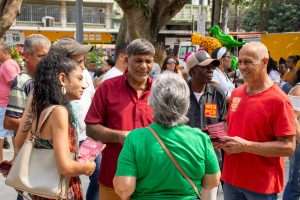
<point x="57" y="18"/>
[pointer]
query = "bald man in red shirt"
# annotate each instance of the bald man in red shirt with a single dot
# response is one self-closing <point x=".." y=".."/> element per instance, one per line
<point x="261" y="131"/>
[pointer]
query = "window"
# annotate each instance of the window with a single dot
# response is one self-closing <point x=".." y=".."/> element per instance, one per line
<point x="35" y="12"/>
<point x="92" y="15"/>
<point x="16" y="37"/>
<point x="26" y="13"/>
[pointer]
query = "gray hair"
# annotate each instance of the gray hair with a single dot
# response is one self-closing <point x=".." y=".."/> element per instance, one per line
<point x="140" y="46"/>
<point x="35" y="40"/>
<point x="4" y="47"/>
<point x="170" y="99"/>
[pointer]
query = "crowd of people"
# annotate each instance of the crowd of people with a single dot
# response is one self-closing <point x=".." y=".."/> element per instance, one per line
<point x="179" y="131"/>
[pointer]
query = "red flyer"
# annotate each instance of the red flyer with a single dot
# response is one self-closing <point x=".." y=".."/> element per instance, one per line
<point x="90" y="149"/>
<point x="217" y="130"/>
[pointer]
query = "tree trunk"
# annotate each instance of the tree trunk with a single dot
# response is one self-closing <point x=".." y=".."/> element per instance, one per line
<point x="225" y="14"/>
<point x="146" y="19"/>
<point x="261" y="15"/>
<point x="216" y="12"/>
<point x="264" y="14"/>
<point x="237" y="16"/>
<point x="9" y="9"/>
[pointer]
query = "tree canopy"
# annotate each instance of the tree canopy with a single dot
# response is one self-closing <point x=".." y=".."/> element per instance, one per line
<point x="272" y="16"/>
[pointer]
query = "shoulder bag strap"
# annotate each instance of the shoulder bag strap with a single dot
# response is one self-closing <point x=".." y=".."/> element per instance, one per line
<point x="42" y="119"/>
<point x="174" y="161"/>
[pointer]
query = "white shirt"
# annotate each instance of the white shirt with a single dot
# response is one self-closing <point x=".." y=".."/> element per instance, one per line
<point x="155" y="70"/>
<point x="224" y="82"/>
<point x="198" y="95"/>
<point x="275" y="76"/>
<point x="113" y="72"/>
<point x="81" y="107"/>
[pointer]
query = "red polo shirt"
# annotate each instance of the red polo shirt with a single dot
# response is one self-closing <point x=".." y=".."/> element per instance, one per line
<point x="116" y="106"/>
<point x="260" y="118"/>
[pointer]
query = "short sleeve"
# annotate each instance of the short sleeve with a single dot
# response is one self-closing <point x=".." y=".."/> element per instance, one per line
<point x="216" y="77"/>
<point x="284" y="124"/>
<point x="126" y="161"/>
<point x="96" y="113"/>
<point x="10" y="71"/>
<point x="211" y="161"/>
<point x="17" y="100"/>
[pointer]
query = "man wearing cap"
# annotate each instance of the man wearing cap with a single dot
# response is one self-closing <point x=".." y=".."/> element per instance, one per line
<point x="220" y="73"/>
<point x="208" y="105"/>
<point x="119" y="106"/>
<point x="77" y="52"/>
<point x="261" y="131"/>
<point x="207" y="101"/>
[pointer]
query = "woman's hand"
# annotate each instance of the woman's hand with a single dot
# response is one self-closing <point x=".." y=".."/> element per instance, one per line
<point x="90" y="167"/>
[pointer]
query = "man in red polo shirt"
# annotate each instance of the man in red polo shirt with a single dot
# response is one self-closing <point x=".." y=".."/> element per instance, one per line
<point x="261" y="131"/>
<point x="120" y="105"/>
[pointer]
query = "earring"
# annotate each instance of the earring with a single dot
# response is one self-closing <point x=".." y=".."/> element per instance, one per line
<point x="63" y="90"/>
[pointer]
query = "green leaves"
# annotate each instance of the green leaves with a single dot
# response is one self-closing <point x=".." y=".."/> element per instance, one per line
<point x="281" y="16"/>
<point x="96" y="57"/>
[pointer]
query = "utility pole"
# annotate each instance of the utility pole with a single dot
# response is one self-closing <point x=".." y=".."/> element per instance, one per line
<point x="79" y="21"/>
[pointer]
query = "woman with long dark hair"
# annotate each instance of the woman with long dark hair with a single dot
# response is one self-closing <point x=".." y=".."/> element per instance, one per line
<point x="58" y="81"/>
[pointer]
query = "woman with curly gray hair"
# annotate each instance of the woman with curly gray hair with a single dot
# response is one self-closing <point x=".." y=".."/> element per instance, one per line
<point x="146" y="171"/>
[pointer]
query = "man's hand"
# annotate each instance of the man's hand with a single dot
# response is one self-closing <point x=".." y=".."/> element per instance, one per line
<point x="123" y="136"/>
<point x="235" y="145"/>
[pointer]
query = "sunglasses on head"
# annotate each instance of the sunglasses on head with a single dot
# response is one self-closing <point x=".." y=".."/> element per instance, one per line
<point x="171" y="62"/>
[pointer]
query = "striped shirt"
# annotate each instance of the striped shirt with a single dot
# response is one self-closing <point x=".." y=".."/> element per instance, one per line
<point x="20" y="90"/>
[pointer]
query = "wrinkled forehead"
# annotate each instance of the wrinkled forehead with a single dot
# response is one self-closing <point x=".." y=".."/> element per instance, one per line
<point x="250" y="53"/>
<point x="40" y="49"/>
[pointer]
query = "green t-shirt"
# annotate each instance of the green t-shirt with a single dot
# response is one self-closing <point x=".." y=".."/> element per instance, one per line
<point x="156" y="175"/>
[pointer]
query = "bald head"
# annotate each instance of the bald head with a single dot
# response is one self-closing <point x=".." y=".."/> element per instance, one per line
<point x="256" y="50"/>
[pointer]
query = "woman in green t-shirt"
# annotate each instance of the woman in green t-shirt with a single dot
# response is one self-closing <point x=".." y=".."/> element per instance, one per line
<point x="144" y="170"/>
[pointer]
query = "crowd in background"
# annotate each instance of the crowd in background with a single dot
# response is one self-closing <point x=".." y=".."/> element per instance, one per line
<point x="218" y="124"/>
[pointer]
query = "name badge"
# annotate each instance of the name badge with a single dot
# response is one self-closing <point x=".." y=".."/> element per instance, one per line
<point x="210" y="110"/>
<point x="235" y="103"/>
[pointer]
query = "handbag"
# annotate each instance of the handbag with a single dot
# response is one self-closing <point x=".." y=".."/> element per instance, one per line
<point x="34" y="170"/>
<point x="174" y="161"/>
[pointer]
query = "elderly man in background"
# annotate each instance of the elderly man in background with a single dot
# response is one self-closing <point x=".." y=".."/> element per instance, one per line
<point x="36" y="47"/>
<point x="261" y="130"/>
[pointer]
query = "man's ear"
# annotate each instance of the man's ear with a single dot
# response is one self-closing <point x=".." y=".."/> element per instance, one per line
<point x="265" y="60"/>
<point x="126" y="59"/>
<point x="62" y="78"/>
<point x="25" y="56"/>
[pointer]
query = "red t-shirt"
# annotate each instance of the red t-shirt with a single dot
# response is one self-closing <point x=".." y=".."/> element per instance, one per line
<point x="116" y="106"/>
<point x="261" y="118"/>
